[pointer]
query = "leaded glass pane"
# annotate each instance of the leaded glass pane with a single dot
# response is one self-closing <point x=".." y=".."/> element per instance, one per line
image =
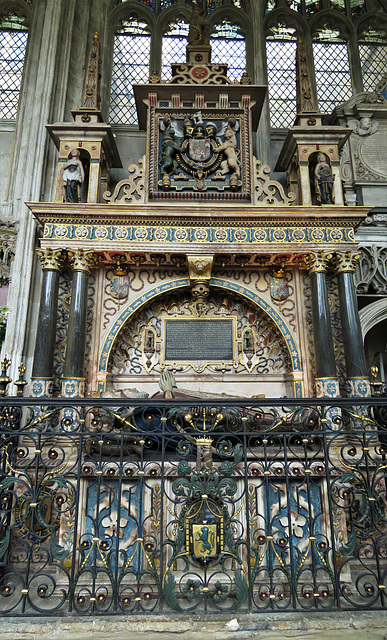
<point x="13" y="42"/>
<point x="151" y="4"/>
<point x="228" y="46"/>
<point x="373" y="59"/>
<point x="130" y="65"/>
<point x="281" y="73"/>
<point x="333" y="76"/>
<point x="174" y="48"/>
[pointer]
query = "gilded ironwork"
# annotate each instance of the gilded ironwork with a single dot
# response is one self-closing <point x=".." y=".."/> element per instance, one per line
<point x="192" y="506"/>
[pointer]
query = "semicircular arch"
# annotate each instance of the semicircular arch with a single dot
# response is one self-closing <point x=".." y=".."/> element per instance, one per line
<point x="181" y="283"/>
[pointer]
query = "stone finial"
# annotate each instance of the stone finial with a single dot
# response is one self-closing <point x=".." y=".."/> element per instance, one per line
<point x="306" y="94"/>
<point x="91" y="95"/>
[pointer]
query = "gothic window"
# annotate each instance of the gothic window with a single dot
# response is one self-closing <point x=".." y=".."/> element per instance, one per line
<point x="332" y="69"/>
<point x="281" y="74"/>
<point x="228" y="45"/>
<point x="13" y="43"/>
<point x="174" y="47"/>
<point x="373" y="57"/>
<point x="130" y="65"/>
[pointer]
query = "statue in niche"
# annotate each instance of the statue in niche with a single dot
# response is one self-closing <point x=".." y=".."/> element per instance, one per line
<point x="323" y="180"/>
<point x="199" y="28"/>
<point x="73" y="176"/>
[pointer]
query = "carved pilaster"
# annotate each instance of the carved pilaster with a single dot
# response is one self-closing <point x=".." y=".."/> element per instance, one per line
<point x="318" y="261"/>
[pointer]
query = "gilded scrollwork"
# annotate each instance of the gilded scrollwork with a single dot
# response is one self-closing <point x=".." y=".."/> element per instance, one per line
<point x="200" y="74"/>
<point x="131" y="189"/>
<point x="267" y="191"/>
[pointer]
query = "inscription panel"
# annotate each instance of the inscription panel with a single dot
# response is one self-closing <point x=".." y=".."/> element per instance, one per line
<point x="206" y="340"/>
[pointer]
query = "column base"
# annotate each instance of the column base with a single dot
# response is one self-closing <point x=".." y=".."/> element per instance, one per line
<point x="42" y="387"/>
<point x="331" y="416"/>
<point x="73" y="388"/>
<point x="358" y="388"/>
<point x="327" y="388"/>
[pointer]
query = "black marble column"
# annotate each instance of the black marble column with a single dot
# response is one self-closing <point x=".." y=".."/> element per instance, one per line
<point x="358" y="382"/>
<point x="42" y="370"/>
<point x="73" y="371"/>
<point x="325" y="365"/>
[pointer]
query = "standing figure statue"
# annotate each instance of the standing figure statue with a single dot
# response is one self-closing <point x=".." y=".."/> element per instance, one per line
<point x="199" y="28"/>
<point x="73" y="175"/>
<point x="323" y="181"/>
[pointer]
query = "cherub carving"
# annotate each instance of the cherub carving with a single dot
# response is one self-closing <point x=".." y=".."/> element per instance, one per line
<point x="364" y="127"/>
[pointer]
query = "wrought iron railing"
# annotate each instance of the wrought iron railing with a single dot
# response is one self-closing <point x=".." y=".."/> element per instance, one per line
<point x="188" y="505"/>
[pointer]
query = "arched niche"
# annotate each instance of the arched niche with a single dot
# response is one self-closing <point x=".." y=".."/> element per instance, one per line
<point x="131" y="355"/>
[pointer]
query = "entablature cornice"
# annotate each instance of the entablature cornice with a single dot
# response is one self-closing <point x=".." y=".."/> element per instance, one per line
<point x="189" y="214"/>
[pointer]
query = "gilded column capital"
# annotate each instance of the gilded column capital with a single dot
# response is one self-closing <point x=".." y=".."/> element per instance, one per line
<point x="346" y="261"/>
<point x="52" y="260"/>
<point x="81" y="260"/>
<point x="318" y="261"/>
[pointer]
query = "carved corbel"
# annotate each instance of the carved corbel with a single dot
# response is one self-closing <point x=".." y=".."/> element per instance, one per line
<point x="199" y="268"/>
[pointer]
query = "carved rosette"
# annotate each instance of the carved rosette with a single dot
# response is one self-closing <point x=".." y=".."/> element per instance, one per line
<point x="318" y="262"/>
<point x="81" y="260"/>
<point x="51" y="260"/>
<point x="358" y="387"/>
<point x="327" y="388"/>
<point x="346" y="261"/>
<point x="73" y="387"/>
<point x="41" y="387"/>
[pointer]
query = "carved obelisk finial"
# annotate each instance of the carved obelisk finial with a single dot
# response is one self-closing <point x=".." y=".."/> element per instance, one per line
<point x="307" y="106"/>
<point x="91" y="99"/>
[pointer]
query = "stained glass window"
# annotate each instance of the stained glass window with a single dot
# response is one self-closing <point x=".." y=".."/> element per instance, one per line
<point x="13" y="43"/>
<point x="174" y="47"/>
<point x="228" y="45"/>
<point x="130" y="65"/>
<point x="281" y="73"/>
<point x="333" y="75"/>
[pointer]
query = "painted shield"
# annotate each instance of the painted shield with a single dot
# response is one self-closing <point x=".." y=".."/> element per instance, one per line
<point x="119" y="287"/>
<point x="200" y="149"/>
<point x="279" y="289"/>
<point x="204" y="539"/>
